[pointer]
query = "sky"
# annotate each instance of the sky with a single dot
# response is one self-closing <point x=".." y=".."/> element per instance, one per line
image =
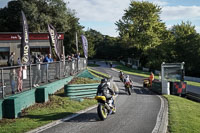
<point x="101" y="15"/>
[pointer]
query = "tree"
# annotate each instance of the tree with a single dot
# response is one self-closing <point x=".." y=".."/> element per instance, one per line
<point x="39" y="14"/>
<point x="141" y="25"/>
<point x="186" y="47"/>
<point x="141" y="28"/>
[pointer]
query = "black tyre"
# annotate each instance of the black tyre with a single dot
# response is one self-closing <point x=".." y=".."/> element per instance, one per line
<point x="114" y="110"/>
<point x="102" y="112"/>
<point x="129" y="90"/>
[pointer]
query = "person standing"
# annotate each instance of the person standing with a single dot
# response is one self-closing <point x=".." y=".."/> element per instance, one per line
<point x="12" y="80"/>
<point x="46" y="60"/>
<point x="36" y="71"/>
<point x="19" y="79"/>
<point x="11" y="59"/>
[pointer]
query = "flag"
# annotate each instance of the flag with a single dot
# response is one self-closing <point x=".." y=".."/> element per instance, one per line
<point x="85" y="45"/>
<point x="76" y="43"/>
<point x="25" y="48"/>
<point x="53" y="38"/>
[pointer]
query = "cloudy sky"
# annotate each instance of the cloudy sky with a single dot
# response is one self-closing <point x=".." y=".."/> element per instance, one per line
<point x="101" y="15"/>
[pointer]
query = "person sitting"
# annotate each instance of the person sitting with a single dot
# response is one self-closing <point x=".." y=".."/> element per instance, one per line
<point x="151" y="78"/>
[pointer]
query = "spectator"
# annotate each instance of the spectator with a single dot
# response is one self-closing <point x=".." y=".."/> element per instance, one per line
<point x="46" y="60"/>
<point x="19" y="79"/>
<point x="36" y="71"/>
<point x="12" y="80"/>
<point x="19" y="61"/>
<point x="10" y="61"/>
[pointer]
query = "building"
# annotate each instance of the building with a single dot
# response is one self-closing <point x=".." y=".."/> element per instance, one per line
<point x="11" y="42"/>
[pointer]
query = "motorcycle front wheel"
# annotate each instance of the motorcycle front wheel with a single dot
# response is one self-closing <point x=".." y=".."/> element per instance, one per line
<point x="102" y="111"/>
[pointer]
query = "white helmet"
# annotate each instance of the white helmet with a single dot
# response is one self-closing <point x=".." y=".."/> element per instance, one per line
<point x="127" y="76"/>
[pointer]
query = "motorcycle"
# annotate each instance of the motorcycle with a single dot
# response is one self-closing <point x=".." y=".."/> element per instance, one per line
<point x="128" y="87"/>
<point x="121" y="76"/>
<point x="105" y="106"/>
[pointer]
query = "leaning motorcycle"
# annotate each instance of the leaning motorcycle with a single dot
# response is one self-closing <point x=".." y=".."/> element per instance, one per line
<point x="105" y="106"/>
<point x="121" y="76"/>
<point x="128" y="87"/>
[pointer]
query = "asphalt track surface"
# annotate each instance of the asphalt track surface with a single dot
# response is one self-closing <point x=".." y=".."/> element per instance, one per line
<point x="135" y="114"/>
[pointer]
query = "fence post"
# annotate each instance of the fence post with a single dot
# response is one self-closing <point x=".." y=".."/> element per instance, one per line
<point x="2" y="81"/>
<point x="60" y="69"/>
<point x="47" y="67"/>
<point x="30" y="78"/>
<point x="77" y="65"/>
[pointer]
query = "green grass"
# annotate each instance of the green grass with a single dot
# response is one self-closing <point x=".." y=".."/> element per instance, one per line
<point x="93" y="65"/>
<point x="184" y="115"/>
<point x="98" y="73"/>
<point x="81" y="80"/>
<point x="40" y="114"/>
<point x="141" y="73"/>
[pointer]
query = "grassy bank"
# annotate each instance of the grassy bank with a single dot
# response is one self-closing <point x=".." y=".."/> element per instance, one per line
<point x="141" y="73"/>
<point x="40" y="114"/>
<point x="98" y="74"/>
<point x="184" y="115"/>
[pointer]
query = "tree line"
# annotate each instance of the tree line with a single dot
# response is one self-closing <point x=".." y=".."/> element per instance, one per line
<point x="142" y="33"/>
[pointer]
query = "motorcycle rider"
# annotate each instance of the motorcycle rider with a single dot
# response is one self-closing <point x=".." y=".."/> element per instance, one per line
<point x="121" y="75"/>
<point x="128" y="81"/>
<point x="105" y="90"/>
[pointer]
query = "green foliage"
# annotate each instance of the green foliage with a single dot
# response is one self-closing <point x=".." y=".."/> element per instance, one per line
<point x="39" y="14"/>
<point x="186" y="47"/>
<point x="40" y="114"/>
<point x="141" y="25"/>
<point x="183" y="115"/>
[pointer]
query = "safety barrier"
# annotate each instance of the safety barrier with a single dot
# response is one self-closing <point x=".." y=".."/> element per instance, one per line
<point x="11" y="106"/>
<point x="25" y="76"/>
<point x="156" y="87"/>
<point x="76" y="91"/>
<point x="1" y="111"/>
<point x="42" y="93"/>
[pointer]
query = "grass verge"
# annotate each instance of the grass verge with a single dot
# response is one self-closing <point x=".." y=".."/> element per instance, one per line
<point x="40" y="114"/>
<point x="184" y="116"/>
<point x="141" y="73"/>
<point x="99" y="74"/>
<point x="81" y="80"/>
<point x="93" y="65"/>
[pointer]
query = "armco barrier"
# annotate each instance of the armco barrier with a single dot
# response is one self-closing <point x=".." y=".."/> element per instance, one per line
<point x="42" y="93"/>
<point x="13" y="105"/>
<point x="156" y="87"/>
<point x="1" y="111"/>
<point x="81" y="90"/>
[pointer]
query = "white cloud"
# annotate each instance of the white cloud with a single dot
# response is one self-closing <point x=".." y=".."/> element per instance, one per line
<point x="197" y="28"/>
<point x="101" y="10"/>
<point x="110" y="11"/>
<point x="180" y="13"/>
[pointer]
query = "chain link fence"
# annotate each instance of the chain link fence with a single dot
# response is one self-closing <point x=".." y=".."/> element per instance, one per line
<point x="16" y="79"/>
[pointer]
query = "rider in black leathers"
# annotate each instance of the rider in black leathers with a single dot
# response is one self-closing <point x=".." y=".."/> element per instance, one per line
<point x="104" y="90"/>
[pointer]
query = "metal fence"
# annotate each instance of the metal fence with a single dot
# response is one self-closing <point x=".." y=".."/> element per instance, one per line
<point x="16" y="79"/>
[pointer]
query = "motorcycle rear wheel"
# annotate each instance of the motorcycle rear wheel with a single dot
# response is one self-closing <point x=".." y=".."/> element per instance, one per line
<point x="102" y="112"/>
<point x="129" y="90"/>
